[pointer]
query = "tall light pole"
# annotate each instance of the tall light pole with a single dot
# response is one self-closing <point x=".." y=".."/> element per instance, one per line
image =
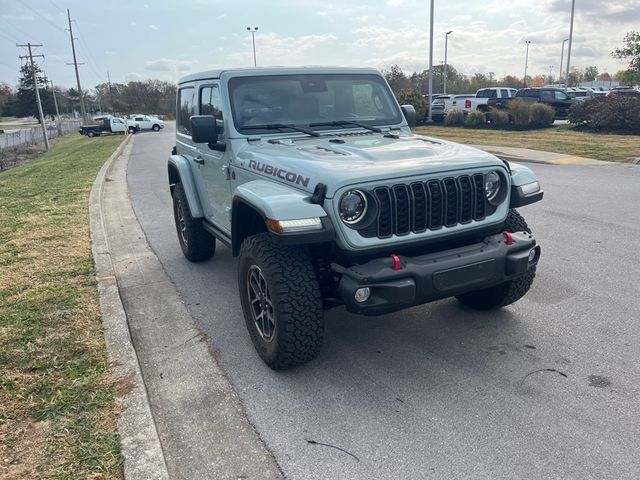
<point x="526" y="63"/>
<point x="253" y="31"/>
<point x="562" y="60"/>
<point x="573" y="11"/>
<point x="430" y="117"/>
<point x="446" y="45"/>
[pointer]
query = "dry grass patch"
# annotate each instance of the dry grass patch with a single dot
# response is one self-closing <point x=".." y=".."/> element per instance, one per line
<point x="58" y="410"/>
<point x="559" y="139"/>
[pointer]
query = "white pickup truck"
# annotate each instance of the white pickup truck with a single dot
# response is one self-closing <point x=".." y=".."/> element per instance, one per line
<point x="145" y="122"/>
<point x="483" y="99"/>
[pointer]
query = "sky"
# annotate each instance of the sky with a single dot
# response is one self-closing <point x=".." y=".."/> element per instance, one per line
<point x="162" y="39"/>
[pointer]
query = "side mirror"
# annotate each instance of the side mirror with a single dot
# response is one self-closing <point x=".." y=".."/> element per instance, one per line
<point x="203" y="129"/>
<point x="409" y="114"/>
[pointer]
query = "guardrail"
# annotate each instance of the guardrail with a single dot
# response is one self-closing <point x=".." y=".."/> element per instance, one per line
<point x="12" y="139"/>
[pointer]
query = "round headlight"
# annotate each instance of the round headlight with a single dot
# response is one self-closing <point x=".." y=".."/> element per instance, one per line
<point x="353" y="206"/>
<point x="491" y="185"/>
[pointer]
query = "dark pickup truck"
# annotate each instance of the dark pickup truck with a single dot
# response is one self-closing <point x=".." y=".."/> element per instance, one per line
<point x="109" y="126"/>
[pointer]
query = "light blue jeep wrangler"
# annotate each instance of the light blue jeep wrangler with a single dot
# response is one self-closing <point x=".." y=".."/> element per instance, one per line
<point x="312" y="177"/>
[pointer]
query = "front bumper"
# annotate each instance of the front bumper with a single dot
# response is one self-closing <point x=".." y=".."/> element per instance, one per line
<point x="438" y="275"/>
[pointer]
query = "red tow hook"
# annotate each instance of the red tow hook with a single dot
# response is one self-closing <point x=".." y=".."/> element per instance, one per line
<point x="396" y="265"/>
<point x="508" y="238"/>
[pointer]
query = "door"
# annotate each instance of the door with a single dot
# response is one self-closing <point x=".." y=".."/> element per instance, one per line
<point x="213" y="172"/>
<point x="563" y="102"/>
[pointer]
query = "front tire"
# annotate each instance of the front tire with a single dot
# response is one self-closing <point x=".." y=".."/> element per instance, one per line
<point x="508" y="292"/>
<point x="281" y="302"/>
<point x="156" y="128"/>
<point x="196" y="243"/>
<point x="132" y="130"/>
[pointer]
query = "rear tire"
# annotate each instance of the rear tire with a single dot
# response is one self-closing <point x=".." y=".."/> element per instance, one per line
<point x="91" y="134"/>
<point x="508" y="292"/>
<point x="196" y="243"/>
<point x="132" y="130"/>
<point x="281" y="302"/>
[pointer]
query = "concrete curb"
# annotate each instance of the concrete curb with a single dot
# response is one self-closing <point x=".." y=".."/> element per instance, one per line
<point x="513" y="154"/>
<point x="141" y="448"/>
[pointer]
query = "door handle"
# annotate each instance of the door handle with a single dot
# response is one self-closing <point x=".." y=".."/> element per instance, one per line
<point x="199" y="160"/>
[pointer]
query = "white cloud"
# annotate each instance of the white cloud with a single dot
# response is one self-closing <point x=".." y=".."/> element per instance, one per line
<point x="133" y="24"/>
<point x="221" y="16"/>
<point x="171" y="65"/>
<point x="394" y="3"/>
<point x="153" y="27"/>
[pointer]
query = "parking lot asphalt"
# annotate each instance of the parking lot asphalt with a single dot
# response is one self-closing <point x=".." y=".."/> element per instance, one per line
<point x="546" y="388"/>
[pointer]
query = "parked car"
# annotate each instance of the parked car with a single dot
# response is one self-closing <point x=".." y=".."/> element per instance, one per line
<point x="327" y="198"/>
<point x="146" y="122"/>
<point x="624" y="92"/>
<point x="109" y="126"/>
<point x="481" y="100"/>
<point x="437" y="106"/>
<point x="554" y="97"/>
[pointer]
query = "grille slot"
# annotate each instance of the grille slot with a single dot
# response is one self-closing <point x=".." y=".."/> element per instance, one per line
<point x="430" y="205"/>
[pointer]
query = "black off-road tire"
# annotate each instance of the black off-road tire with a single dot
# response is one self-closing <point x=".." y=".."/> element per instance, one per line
<point x="132" y="130"/>
<point x="91" y="134"/>
<point x="156" y="128"/>
<point x="508" y="292"/>
<point x="196" y="243"/>
<point x="296" y="302"/>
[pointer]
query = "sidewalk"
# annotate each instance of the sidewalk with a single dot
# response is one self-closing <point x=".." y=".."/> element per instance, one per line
<point x="537" y="156"/>
<point x="183" y="418"/>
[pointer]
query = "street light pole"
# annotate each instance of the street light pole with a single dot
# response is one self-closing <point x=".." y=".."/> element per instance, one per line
<point x="573" y="11"/>
<point x="253" y="31"/>
<point x="562" y="60"/>
<point x="526" y="63"/>
<point x="430" y="117"/>
<point x="446" y="44"/>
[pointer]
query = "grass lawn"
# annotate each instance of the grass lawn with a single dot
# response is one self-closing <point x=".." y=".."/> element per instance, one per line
<point x="6" y="128"/>
<point x="57" y="396"/>
<point x="7" y="119"/>
<point x="560" y="139"/>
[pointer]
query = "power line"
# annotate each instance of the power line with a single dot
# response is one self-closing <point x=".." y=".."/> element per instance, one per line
<point x="52" y="24"/>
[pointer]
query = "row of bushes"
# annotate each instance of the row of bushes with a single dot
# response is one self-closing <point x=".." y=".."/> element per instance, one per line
<point x="608" y="113"/>
<point x="517" y="113"/>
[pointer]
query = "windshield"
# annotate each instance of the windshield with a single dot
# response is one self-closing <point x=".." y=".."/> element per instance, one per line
<point x="322" y="101"/>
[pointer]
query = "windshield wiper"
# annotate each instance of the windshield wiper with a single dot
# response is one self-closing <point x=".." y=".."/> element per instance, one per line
<point x="343" y="123"/>
<point x="280" y="126"/>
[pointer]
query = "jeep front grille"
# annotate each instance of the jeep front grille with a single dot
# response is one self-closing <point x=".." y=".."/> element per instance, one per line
<point x="430" y="205"/>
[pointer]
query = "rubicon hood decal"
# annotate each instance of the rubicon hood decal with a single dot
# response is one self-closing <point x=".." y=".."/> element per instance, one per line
<point x="279" y="173"/>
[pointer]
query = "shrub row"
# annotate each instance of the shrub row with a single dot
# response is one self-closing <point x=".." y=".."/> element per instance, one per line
<point x="608" y="113"/>
<point x="517" y="112"/>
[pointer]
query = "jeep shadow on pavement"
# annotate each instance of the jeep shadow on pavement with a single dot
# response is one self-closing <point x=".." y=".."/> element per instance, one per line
<point x="314" y="180"/>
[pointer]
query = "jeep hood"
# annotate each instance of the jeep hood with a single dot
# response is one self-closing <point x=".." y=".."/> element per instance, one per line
<point x="339" y="161"/>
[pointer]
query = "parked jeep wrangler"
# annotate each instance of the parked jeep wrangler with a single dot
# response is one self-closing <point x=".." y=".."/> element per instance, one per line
<point x="313" y="178"/>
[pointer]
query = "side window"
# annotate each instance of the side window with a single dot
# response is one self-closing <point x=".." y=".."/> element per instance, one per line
<point x="561" y="96"/>
<point x="211" y="104"/>
<point x="139" y="119"/>
<point x="504" y="93"/>
<point x="546" y="95"/>
<point x="185" y="110"/>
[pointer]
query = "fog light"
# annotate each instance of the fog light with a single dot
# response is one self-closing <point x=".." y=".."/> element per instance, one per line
<point x="532" y="255"/>
<point x="362" y="294"/>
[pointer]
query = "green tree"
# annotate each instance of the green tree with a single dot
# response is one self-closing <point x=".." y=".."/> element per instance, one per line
<point x="630" y="50"/>
<point x="590" y="73"/>
<point x="26" y="104"/>
<point x="410" y="96"/>
<point x="396" y="78"/>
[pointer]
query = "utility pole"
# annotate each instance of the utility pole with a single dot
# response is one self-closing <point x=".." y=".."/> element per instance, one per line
<point x="562" y="60"/>
<point x="110" y="92"/>
<point x="55" y="102"/>
<point x="75" y="64"/>
<point x="253" y="39"/>
<point x="446" y="45"/>
<point x="35" y="86"/>
<point x="526" y="63"/>
<point x="430" y="117"/>
<point x="573" y="11"/>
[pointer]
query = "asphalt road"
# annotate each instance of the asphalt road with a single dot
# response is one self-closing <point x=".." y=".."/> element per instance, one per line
<point x="440" y="391"/>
